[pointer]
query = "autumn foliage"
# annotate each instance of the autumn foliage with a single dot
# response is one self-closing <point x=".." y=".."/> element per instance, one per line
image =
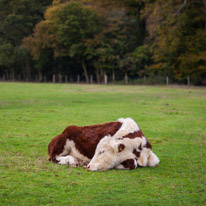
<point x="132" y="39"/>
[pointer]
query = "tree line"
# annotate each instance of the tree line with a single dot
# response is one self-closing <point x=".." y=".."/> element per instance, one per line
<point x="84" y="39"/>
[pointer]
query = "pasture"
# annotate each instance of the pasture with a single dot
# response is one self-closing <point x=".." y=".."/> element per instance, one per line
<point x="172" y="118"/>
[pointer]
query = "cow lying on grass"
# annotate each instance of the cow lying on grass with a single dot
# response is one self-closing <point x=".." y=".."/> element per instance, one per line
<point x="120" y="144"/>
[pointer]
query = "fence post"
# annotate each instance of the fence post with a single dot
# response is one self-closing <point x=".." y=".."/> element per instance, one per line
<point x="188" y="81"/>
<point x="44" y="78"/>
<point x="53" y="78"/>
<point x="91" y="79"/>
<point x="105" y="78"/>
<point x="126" y="78"/>
<point x="113" y="76"/>
<point x="78" y="78"/>
<point x="40" y="77"/>
<point x="145" y="79"/>
<point x="60" y="78"/>
<point x="66" y="79"/>
<point x="3" y="77"/>
<point x="167" y="80"/>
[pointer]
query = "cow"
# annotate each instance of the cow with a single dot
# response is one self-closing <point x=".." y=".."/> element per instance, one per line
<point x="119" y="144"/>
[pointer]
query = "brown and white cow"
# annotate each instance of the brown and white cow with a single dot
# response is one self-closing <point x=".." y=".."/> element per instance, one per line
<point x="120" y="144"/>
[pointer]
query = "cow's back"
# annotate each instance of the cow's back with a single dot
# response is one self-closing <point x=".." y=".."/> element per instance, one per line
<point x="91" y="135"/>
<point x="85" y="138"/>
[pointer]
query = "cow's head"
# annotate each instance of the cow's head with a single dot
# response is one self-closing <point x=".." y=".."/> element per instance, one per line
<point x="109" y="153"/>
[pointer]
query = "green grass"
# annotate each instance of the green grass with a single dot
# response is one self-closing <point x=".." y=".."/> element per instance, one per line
<point x="172" y="118"/>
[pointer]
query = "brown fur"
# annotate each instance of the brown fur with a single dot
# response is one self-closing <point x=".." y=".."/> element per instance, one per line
<point x="137" y="154"/>
<point x="56" y="146"/>
<point x="140" y="147"/>
<point x="138" y="134"/>
<point x="148" y="145"/>
<point x="134" y="135"/>
<point x="85" y="138"/>
<point x="129" y="163"/>
<point x="121" y="147"/>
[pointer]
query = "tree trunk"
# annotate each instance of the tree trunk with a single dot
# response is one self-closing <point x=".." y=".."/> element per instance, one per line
<point x="28" y="69"/>
<point x="204" y="2"/>
<point x="85" y="70"/>
<point x="102" y="75"/>
<point x="97" y="76"/>
<point x="60" y="78"/>
<point x="113" y="76"/>
<point x="12" y="75"/>
<point x="53" y="78"/>
<point x="66" y="79"/>
<point x="40" y="76"/>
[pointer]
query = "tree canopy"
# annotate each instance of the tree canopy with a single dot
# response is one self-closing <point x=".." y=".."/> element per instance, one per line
<point x="131" y="38"/>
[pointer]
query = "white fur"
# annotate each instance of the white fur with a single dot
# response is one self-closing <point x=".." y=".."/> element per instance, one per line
<point x="128" y="126"/>
<point x="120" y="167"/>
<point x="135" y="162"/>
<point x="111" y="157"/>
<point x="145" y="152"/>
<point x="153" y="160"/>
<point x="70" y="150"/>
<point x="67" y="160"/>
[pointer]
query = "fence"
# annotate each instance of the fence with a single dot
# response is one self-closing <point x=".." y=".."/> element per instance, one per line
<point x="105" y="80"/>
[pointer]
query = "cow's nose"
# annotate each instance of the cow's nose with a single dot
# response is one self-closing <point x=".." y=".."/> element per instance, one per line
<point x="88" y="167"/>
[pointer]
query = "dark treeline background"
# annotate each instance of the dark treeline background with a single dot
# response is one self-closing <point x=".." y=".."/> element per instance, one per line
<point x="84" y="39"/>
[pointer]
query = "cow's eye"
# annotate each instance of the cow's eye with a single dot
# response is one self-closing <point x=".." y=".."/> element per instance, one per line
<point x="101" y="152"/>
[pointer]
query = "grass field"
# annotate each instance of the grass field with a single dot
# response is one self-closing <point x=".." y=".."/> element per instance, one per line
<point x="172" y="118"/>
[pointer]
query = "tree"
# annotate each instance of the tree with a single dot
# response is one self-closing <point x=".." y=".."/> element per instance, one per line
<point x="177" y="39"/>
<point x="66" y="28"/>
<point x="120" y="35"/>
<point x="142" y="56"/>
<point x="17" y="20"/>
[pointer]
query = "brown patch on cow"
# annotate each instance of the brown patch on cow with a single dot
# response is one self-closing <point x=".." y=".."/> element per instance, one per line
<point x="133" y="135"/>
<point x="137" y="154"/>
<point x="148" y="145"/>
<point x="85" y="138"/>
<point x="140" y="147"/>
<point x="129" y="163"/>
<point x="121" y="147"/>
<point x="56" y="146"/>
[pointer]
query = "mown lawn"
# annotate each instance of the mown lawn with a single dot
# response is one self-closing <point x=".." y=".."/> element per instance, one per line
<point x="172" y="118"/>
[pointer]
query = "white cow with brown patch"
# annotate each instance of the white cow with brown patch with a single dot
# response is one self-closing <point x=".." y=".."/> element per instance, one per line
<point x="120" y="144"/>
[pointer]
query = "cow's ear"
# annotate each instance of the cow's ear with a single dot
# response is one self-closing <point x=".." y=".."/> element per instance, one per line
<point x="120" y="147"/>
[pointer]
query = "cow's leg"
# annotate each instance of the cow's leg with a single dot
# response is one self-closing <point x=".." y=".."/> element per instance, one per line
<point x="64" y="160"/>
